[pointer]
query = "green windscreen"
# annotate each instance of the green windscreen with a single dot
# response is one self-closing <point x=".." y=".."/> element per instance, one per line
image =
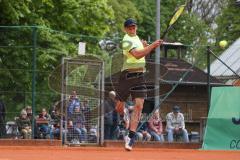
<point x="223" y="124"/>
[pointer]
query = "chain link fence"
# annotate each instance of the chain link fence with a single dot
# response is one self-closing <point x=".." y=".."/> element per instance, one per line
<point x="29" y="55"/>
<point x="82" y="86"/>
<point x="36" y="77"/>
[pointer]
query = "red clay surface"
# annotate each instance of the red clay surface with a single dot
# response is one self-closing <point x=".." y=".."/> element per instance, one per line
<point x="101" y="153"/>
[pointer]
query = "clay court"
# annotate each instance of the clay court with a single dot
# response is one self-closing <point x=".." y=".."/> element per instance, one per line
<point x="111" y="153"/>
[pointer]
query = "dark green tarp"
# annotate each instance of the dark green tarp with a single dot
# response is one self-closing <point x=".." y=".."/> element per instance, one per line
<point x="223" y="124"/>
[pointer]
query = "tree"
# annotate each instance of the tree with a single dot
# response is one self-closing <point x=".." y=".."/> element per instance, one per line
<point x="228" y="24"/>
<point x="82" y="17"/>
<point x="206" y="10"/>
<point x="189" y="29"/>
<point x="123" y="9"/>
<point x="62" y="24"/>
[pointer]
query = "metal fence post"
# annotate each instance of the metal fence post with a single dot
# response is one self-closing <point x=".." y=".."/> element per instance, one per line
<point x="157" y="58"/>
<point x="102" y="90"/>
<point x="34" y="47"/>
<point x="208" y="77"/>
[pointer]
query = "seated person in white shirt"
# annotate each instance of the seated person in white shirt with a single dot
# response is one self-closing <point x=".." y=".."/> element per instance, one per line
<point x="176" y="125"/>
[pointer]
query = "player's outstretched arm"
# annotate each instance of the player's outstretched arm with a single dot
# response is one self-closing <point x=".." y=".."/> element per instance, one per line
<point x="147" y="50"/>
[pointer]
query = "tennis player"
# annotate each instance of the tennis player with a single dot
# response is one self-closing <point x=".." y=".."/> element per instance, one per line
<point x="132" y="81"/>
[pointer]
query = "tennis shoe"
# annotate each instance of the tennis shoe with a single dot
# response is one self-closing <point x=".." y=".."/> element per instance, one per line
<point x="129" y="143"/>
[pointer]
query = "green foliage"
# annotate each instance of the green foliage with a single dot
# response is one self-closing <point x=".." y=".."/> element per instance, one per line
<point x="82" y="17"/>
<point x="228" y="24"/>
<point x="189" y="29"/>
<point x="147" y="20"/>
<point x="61" y="24"/>
<point x="123" y="9"/>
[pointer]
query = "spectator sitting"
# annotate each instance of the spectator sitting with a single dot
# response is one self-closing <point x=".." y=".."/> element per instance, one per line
<point x="24" y="125"/>
<point x="142" y="133"/>
<point x="176" y="125"/>
<point x="156" y="127"/>
<point x="79" y="124"/>
<point x="92" y="134"/>
<point x="29" y="112"/>
<point x="71" y="133"/>
<point x="45" y="118"/>
<point x="56" y="120"/>
<point x="2" y="119"/>
<point x="111" y="117"/>
<point x="85" y="109"/>
<point x="73" y="102"/>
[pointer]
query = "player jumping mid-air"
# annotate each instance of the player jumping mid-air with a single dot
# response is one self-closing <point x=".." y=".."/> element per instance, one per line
<point x="132" y="81"/>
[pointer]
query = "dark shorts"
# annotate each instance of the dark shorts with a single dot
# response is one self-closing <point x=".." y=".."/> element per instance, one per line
<point x="131" y="83"/>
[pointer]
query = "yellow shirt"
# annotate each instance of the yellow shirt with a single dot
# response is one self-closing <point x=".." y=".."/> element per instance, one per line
<point x="129" y="61"/>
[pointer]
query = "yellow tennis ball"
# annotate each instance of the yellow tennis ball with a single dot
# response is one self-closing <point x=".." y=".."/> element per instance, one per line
<point x="223" y="43"/>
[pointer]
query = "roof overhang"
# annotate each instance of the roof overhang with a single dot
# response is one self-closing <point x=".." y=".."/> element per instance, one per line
<point x="238" y="3"/>
<point x="227" y="77"/>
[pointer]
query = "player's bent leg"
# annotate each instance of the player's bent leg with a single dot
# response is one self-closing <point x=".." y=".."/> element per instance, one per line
<point x="120" y="107"/>
<point x="126" y="118"/>
<point x="135" y="117"/>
